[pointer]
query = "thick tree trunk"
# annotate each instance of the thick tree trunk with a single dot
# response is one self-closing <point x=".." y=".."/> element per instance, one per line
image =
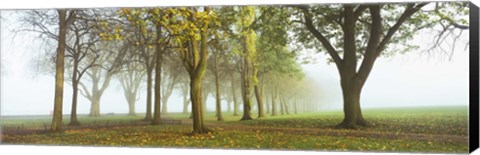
<point x="131" y="104"/>
<point x="59" y="71"/>
<point x="73" y="113"/>
<point x="258" y="94"/>
<point x="197" y="111"/>
<point x="95" y="107"/>
<point x="97" y="95"/>
<point x="353" y="117"/>
<point x="249" y="50"/>
<point x="247" y="102"/>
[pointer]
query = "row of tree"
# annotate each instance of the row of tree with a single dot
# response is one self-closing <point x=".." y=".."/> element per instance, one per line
<point x="254" y="49"/>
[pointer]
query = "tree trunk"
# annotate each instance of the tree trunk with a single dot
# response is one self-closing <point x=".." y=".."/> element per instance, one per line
<point x="97" y="94"/>
<point x="197" y="111"/>
<point x="95" y="107"/>
<point x="249" y="50"/>
<point x="267" y="103"/>
<point x="164" y="104"/>
<point x="59" y="71"/>
<point x="167" y="92"/>
<point x="285" y="106"/>
<point x="295" y="106"/>
<point x="218" y="95"/>
<point x="353" y="117"/>
<point x="131" y="104"/>
<point x="274" y="106"/>
<point x="73" y="114"/>
<point x="158" y="78"/>
<point x="234" y="97"/>
<point x="186" y="102"/>
<point x="148" y="116"/>
<point x="258" y="94"/>
<point x="247" y="102"/>
<point x="282" y="106"/>
<point x="229" y="104"/>
<point x="204" y="103"/>
<point x="303" y="106"/>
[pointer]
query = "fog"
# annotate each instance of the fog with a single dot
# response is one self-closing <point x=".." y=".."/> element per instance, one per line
<point x="411" y="79"/>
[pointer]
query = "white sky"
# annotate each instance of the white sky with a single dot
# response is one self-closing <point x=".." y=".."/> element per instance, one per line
<point x="412" y="79"/>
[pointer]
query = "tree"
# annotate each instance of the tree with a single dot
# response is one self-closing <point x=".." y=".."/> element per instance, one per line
<point x="130" y="80"/>
<point x="82" y="43"/>
<point x="192" y="49"/>
<point x="52" y="26"/>
<point x="218" y="59"/>
<point x="271" y="39"/>
<point x="138" y="32"/>
<point x="184" y="87"/>
<point x="361" y="33"/>
<point x="63" y="21"/>
<point x="109" y="63"/>
<point x="234" y="87"/>
<point x="249" y="77"/>
<point x="172" y="76"/>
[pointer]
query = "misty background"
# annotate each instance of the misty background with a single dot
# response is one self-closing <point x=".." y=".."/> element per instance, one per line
<point x="402" y="80"/>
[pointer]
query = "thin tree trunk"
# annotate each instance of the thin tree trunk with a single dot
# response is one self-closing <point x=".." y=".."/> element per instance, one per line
<point x="148" y="116"/>
<point x="73" y="113"/>
<point x="234" y="96"/>
<point x="164" y="105"/>
<point x="167" y="93"/>
<point x="274" y="106"/>
<point x="295" y="105"/>
<point x="267" y="102"/>
<point x="218" y="95"/>
<point x="158" y="79"/>
<point x="229" y="104"/>
<point x="285" y="106"/>
<point x="303" y="107"/>
<point x="282" y="106"/>
<point x="186" y="102"/>
<point x="204" y="103"/>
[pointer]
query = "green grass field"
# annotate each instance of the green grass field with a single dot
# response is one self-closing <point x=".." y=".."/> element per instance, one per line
<point x="421" y="129"/>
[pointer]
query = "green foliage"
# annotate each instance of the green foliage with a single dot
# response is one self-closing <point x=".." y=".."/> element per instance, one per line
<point x="328" y="21"/>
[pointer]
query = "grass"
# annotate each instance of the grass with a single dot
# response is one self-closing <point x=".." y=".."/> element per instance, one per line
<point x="400" y="130"/>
